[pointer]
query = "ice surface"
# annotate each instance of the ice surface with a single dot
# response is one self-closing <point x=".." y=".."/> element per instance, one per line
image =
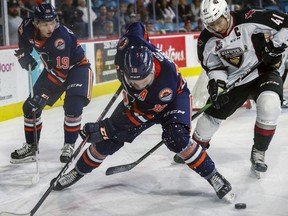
<point x="156" y="186"/>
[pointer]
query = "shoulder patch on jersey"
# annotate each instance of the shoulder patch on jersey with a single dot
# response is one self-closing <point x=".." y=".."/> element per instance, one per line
<point x="249" y="14"/>
<point x="165" y="94"/>
<point x="59" y="44"/>
<point x="200" y="43"/>
<point x="122" y="43"/>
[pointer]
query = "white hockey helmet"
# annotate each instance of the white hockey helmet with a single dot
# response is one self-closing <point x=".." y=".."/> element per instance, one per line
<point x="211" y="10"/>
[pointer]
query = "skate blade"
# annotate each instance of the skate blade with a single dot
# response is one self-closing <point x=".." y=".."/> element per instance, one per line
<point x="255" y="172"/>
<point x="24" y="160"/>
<point x="230" y="197"/>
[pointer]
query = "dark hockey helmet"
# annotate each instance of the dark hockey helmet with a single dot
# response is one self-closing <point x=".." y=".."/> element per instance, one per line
<point x="44" y="12"/>
<point x="138" y="63"/>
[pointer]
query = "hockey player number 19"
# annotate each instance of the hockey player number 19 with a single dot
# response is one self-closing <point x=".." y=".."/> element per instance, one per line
<point x="62" y="63"/>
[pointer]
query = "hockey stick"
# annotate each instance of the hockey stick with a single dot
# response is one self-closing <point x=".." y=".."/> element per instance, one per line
<point x="52" y="185"/>
<point x="36" y="176"/>
<point x="127" y="167"/>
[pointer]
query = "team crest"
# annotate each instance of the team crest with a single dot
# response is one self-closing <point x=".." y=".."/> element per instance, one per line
<point x="59" y="44"/>
<point x="165" y="94"/>
<point x="233" y="56"/>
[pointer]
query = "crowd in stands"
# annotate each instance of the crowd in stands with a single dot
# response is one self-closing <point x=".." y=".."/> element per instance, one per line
<point x="111" y="20"/>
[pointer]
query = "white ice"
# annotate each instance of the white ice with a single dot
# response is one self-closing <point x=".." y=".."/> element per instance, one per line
<point x="154" y="187"/>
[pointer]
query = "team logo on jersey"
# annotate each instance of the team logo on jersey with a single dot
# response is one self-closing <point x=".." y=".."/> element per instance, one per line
<point x="123" y="43"/>
<point x="165" y="94"/>
<point x="249" y="14"/>
<point x="59" y="44"/>
<point x="233" y="56"/>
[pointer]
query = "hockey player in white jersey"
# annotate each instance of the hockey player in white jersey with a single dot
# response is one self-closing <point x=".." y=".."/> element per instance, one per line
<point x="230" y="44"/>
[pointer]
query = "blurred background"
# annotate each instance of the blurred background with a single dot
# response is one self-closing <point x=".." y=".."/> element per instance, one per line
<point x="101" y="19"/>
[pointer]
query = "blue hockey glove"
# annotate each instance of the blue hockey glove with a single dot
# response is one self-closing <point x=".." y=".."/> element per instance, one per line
<point x="99" y="131"/>
<point x="38" y="102"/>
<point x="25" y="59"/>
<point x="95" y="132"/>
<point x="272" y="55"/>
<point x="217" y="99"/>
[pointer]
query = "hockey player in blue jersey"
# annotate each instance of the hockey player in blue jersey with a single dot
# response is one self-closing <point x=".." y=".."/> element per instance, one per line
<point x="154" y="93"/>
<point x="66" y="69"/>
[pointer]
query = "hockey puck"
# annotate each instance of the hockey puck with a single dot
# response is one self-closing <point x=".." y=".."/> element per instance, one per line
<point x="240" y="206"/>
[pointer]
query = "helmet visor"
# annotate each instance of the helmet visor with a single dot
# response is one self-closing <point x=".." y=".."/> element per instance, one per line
<point x="140" y="84"/>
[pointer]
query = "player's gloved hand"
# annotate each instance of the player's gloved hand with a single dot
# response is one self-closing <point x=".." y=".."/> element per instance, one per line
<point x="272" y="55"/>
<point x="96" y="132"/>
<point x="25" y="59"/>
<point x="38" y="102"/>
<point x="214" y="90"/>
<point x="92" y="131"/>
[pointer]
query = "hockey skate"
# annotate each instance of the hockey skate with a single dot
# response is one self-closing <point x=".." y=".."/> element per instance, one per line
<point x="222" y="188"/>
<point x="258" y="162"/>
<point x="66" y="180"/>
<point x="67" y="152"/>
<point x="25" y="154"/>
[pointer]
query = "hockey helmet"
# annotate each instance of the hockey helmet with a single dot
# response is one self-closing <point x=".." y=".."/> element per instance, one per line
<point x="211" y="10"/>
<point x="44" y="12"/>
<point x="138" y="65"/>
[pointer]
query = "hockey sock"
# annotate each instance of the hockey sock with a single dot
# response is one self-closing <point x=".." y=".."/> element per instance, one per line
<point x="262" y="138"/>
<point x="89" y="160"/>
<point x="29" y="129"/>
<point x="197" y="159"/>
<point x="71" y="128"/>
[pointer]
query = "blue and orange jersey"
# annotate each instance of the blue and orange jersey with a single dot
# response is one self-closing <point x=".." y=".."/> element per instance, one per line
<point x="59" y="53"/>
<point x="168" y="81"/>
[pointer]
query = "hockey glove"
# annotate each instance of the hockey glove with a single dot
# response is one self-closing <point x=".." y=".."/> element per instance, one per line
<point x="25" y="59"/>
<point x="38" y="102"/>
<point x="95" y="131"/>
<point x="214" y="88"/>
<point x="272" y="55"/>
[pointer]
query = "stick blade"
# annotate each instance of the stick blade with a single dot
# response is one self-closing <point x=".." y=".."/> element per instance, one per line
<point x="120" y="168"/>
<point x="11" y="214"/>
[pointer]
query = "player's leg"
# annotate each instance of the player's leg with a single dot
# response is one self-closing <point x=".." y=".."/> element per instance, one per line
<point x="27" y="152"/>
<point x="176" y="136"/>
<point x="269" y="94"/>
<point x="121" y="126"/>
<point x="209" y="122"/>
<point x="73" y="109"/>
<point x="78" y="94"/>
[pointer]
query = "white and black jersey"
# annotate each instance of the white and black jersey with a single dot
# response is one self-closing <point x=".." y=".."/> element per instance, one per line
<point x="227" y="57"/>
